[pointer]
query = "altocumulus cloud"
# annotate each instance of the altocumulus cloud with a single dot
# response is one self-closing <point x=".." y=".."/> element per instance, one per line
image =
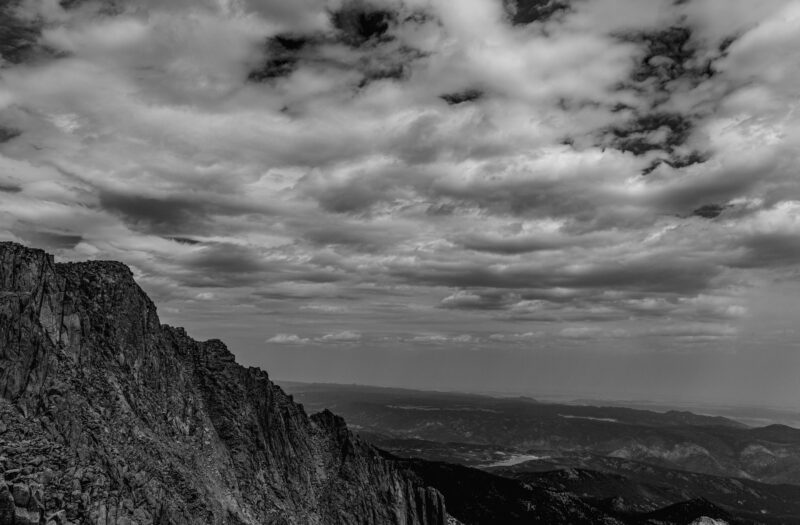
<point x="344" y="336"/>
<point x="440" y="155"/>
<point x="288" y="339"/>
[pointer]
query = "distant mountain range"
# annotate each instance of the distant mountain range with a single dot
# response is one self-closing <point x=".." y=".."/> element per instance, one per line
<point x="626" y="464"/>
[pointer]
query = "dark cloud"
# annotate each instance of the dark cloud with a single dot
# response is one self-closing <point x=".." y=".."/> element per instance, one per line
<point x="226" y="259"/>
<point x="511" y="246"/>
<point x="363" y="28"/>
<point x="672" y="59"/>
<point x="107" y="7"/>
<point x="51" y="240"/>
<point x="283" y="52"/>
<point x="678" y="161"/>
<point x="523" y="12"/>
<point x="10" y="188"/>
<point x="7" y="134"/>
<point x="222" y="265"/>
<point x="709" y="211"/>
<point x="360" y="22"/>
<point x="659" y="131"/>
<point x="673" y="62"/>
<point x="18" y="37"/>
<point x="460" y="97"/>
<point x="668" y="54"/>
<point x="167" y="215"/>
<point x="185" y="240"/>
<point x="172" y="214"/>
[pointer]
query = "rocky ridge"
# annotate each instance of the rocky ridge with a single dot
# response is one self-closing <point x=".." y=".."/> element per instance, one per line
<point x="109" y="417"/>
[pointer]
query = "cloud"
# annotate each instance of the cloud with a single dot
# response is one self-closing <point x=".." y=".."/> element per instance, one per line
<point x="167" y="214"/>
<point x="335" y="157"/>
<point x="524" y="337"/>
<point x="592" y="332"/>
<point x="693" y="333"/>
<point x="49" y="240"/>
<point x="345" y="336"/>
<point x="341" y="337"/>
<point x="222" y="259"/>
<point x="442" y="339"/>
<point x="324" y="308"/>
<point x="491" y="300"/>
<point x="288" y="339"/>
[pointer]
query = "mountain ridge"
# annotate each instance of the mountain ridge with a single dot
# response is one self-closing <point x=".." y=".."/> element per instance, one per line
<point x="110" y="417"/>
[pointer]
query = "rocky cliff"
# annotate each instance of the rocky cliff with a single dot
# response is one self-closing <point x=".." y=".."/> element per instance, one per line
<point x="109" y="417"/>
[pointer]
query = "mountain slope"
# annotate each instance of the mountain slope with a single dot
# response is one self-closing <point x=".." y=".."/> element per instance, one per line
<point x="476" y="497"/>
<point x="628" y="487"/>
<point x="109" y="417"/>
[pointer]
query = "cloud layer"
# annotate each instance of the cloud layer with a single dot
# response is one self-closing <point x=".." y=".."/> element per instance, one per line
<point x="415" y="172"/>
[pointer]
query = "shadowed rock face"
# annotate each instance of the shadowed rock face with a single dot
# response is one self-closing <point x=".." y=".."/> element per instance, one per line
<point x="107" y="416"/>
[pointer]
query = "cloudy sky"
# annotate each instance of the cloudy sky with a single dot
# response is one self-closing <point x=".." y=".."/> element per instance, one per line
<point x="597" y="197"/>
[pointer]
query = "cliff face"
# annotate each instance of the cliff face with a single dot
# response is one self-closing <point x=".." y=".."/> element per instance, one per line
<point x="109" y="417"/>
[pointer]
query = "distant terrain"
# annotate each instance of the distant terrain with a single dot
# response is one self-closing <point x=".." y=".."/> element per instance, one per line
<point x="626" y="462"/>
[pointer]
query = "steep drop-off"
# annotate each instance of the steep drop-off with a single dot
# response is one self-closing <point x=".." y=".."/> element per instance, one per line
<point x="109" y="417"/>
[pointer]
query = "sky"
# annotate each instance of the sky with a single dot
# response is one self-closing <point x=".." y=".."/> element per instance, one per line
<point x="588" y="197"/>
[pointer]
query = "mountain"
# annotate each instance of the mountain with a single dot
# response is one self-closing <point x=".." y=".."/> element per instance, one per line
<point x="437" y="429"/>
<point x="109" y="417"/>
<point x="618" y="486"/>
<point x="476" y="497"/>
<point x="479" y="498"/>
<point x="481" y="430"/>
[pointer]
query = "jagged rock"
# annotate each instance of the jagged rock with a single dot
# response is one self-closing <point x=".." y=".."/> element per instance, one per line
<point x="57" y="518"/>
<point x="23" y="516"/>
<point x="21" y="493"/>
<point x="123" y="420"/>
<point x="6" y="504"/>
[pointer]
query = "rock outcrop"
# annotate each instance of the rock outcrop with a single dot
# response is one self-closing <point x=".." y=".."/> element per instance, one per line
<point x="109" y="417"/>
